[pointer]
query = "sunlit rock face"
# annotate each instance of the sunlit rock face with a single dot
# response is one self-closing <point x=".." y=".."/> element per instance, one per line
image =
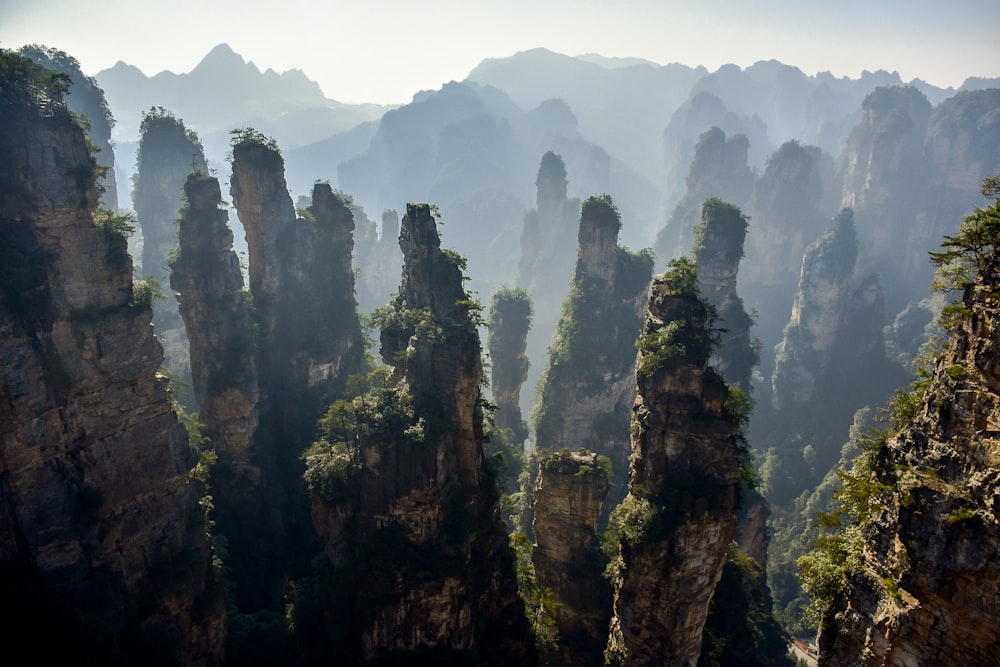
<point x="421" y="567"/>
<point x="589" y="384"/>
<point x="102" y="540"/>
<point x="567" y="555"/>
<point x="680" y="515"/>
<point x="929" y="588"/>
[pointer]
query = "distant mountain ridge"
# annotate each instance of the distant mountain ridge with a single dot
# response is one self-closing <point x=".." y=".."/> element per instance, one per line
<point x="224" y="91"/>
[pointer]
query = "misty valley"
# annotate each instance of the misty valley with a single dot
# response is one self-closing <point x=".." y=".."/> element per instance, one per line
<point x="578" y="361"/>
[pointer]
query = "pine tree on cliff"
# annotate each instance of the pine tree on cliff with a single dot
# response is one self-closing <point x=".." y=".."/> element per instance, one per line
<point x="905" y="568"/>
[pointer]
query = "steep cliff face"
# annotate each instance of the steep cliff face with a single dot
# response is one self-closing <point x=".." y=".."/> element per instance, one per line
<point x="588" y="387"/>
<point x="102" y="541"/>
<point x="546" y="265"/>
<point x="510" y="320"/>
<point x="168" y="152"/>
<point x="302" y="284"/>
<point x="419" y="568"/>
<point x="567" y="554"/>
<point x="718" y="249"/>
<point x="85" y="99"/>
<point x="680" y="515"/>
<point x="923" y="585"/>
<point x="206" y="276"/>
<point x="789" y="209"/>
<point x="885" y="182"/>
<point x="817" y="313"/>
<point x="308" y="342"/>
<point x="719" y="169"/>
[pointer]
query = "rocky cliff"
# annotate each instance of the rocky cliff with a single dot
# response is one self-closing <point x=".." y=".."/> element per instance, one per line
<point x="546" y="264"/>
<point x="418" y="566"/>
<point x="567" y="553"/>
<point x="832" y="355"/>
<point x="919" y="562"/>
<point x="679" y="517"/>
<point x="718" y="249"/>
<point x="168" y="152"/>
<point x="308" y="342"/>
<point x="216" y="311"/>
<point x="86" y="99"/>
<point x="719" y="169"/>
<point x="588" y="386"/>
<point x="102" y="541"/>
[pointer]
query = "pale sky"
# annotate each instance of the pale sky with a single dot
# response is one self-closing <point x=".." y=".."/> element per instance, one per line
<point x="386" y="50"/>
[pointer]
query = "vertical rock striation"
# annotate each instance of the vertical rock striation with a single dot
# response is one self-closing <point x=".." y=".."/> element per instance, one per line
<point x="206" y="276"/>
<point x="588" y="387"/>
<point x="718" y="249"/>
<point x="680" y="515"/>
<point x="546" y="265"/>
<point x="102" y="541"/>
<point x="927" y="590"/>
<point x="719" y="169"/>
<point x="168" y="152"/>
<point x="567" y="554"/>
<point x="419" y="565"/>
<point x="308" y="341"/>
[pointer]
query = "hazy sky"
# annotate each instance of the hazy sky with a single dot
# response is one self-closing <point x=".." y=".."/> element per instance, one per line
<point x="385" y="50"/>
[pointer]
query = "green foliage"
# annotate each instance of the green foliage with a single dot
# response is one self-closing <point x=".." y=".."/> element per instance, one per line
<point x="740" y="404"/>
<point x="375" y="413"/>
<point x="540" y="604"/>
<point x="967" y="253"/>
<point x="145" y="291"/>
<point x="111" y="223"/>
<point x="248" y="136"/>
<point x="26" y="87"/>
<point x="689" y="337"/>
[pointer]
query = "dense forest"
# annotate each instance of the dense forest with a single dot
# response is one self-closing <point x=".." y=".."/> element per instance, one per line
<point x="562" y="364"/>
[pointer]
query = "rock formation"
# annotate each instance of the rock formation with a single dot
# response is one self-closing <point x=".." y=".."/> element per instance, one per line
<point x="820" y="306"/>
<point x="86" y="99"/>
<point x="588" y="387"/>
<point x="216" y="312"/>
<point x="718" y="249"/>
<point x="789" y="209"/>
<point x="510" y="321"/>
<point x="168" y="152"/>
<point x="567" y="554"/>
<point x="920" y="584"/>
<point x="718" y="169"/>
<point x="546" y="265"/>
<point x="679" y="518"/>
<point x="103" y="544"/>
<point x="885" y="182"/>
<point x="308" y="342"/>
<point x="418" y="566"/>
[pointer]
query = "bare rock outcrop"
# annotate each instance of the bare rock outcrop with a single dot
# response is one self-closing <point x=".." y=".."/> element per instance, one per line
<point x="567" y="554"/>
<point x="679" y="518"/>
<point x="102" y="540"/>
